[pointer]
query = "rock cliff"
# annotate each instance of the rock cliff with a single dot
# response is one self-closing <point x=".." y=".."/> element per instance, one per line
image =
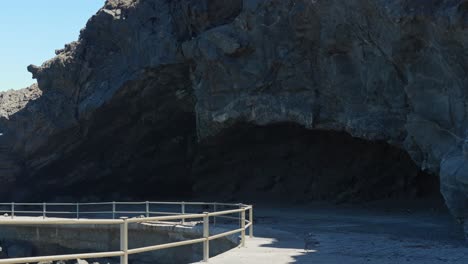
<point x="155" y="94"/>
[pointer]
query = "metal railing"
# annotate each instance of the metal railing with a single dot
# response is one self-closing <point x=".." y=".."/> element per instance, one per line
<point x="12" y="218"/>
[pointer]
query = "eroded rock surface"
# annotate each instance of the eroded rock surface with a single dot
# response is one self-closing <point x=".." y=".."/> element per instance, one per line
<point x="148" y="80"/>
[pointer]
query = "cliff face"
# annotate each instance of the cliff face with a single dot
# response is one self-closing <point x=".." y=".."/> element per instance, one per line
<point x="152" y="87"/>
<point x="12" y="102"/>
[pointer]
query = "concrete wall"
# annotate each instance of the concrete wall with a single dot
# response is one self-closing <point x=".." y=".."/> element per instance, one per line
<point x="23" y="241"/>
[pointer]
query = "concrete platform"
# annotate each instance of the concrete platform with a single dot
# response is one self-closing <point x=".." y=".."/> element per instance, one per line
<point x="261" y="250"/>
<point x="347" y="235"/>
<point x="351" y="236"/>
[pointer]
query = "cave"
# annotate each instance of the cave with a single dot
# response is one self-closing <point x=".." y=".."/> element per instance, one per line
<point x="289" y="163"/>
<point x="143" y="144"/>
<point x="282" y="162"/>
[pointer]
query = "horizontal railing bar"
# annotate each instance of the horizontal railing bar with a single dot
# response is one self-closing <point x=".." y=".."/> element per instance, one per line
<point x="225" y="234"/>
<point x="39" y="212"/>
<point x="28" y="204"/>
<point x="163" y="218"/>
<point x="248" y="225"/>
<point x="164" y="213"/>
<point x="126" y="203"/>
<point x="58" y="212"/>
<point x="62" y="257"/>
<point x="130" y="212"/>
<point x="175" y="217"/>
<point x="173" y="222"/>
<point x="28" y="212"/>
<point x="197" y="203"/>
<point x="130" y="203"/>
<point x="227" y="212"/>
<point x="166" y="203"/>
<point x="164" y="246"/>
<point x="39" y="204"/>
<point x="205" y="203"/>
<point x="187" y="216"/>
<point x="57" y="221"/>
<point x="103" y="203"/>
<point x="59" y="204"/>
<point x="95" y="212"/>
<point x="228" y="204"/>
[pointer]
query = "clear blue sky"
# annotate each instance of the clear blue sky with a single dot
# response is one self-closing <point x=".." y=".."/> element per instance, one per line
<point x="31" y="30"/>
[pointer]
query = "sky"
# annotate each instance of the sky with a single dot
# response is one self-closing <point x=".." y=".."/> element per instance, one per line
<point x="31" y="31"/>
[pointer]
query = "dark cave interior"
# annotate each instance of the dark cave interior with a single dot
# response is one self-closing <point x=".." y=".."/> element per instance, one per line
<point x="279" y="162"/>
<point x="288" y="162"/>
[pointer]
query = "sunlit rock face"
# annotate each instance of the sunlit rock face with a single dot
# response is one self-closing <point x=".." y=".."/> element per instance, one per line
<point x="151" y="77"/>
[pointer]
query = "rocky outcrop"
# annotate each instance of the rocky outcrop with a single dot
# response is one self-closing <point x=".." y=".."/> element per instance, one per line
<point x="149" y="82"/>
<point x="12" y="102"/>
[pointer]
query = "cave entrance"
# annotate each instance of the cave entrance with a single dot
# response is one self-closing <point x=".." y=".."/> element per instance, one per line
<point x="289" y="163"/>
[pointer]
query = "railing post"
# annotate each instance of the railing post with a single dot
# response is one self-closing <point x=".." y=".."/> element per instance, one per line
<point x="215" y="209"/>
<point x="12" y="210"/>
<point x="78" y="211"/>
<point x="44" y="208"/>
<point x="147" y="209"/>
<point x="113" y="210"/>
<point x="251" y="222"/>
<point x="124" y="240"/>
<point x="243" y="228"/>
<point x="183" y="211"/>
<point x="206" y="235"/>
<point x="240" y="216"/>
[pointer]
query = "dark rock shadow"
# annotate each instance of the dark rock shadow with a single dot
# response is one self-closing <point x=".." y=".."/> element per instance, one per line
<point x="146" y="128"/>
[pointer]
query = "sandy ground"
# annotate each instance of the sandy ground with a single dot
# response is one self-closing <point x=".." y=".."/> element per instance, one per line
<point x="350" y="235"/>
